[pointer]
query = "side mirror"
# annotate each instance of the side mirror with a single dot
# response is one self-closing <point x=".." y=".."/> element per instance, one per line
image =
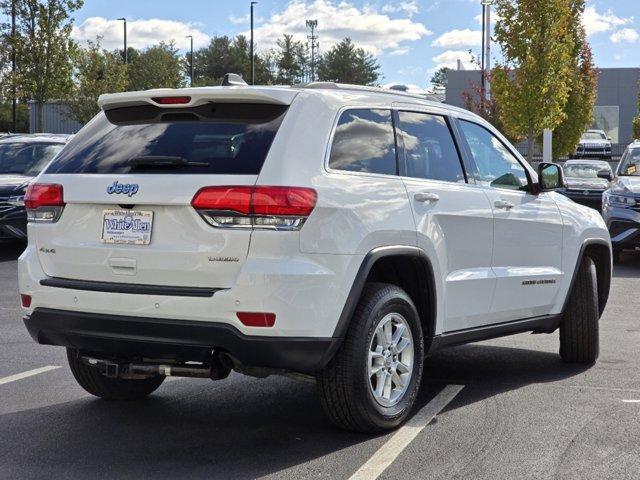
<point x="550" y="177"/>
<point x="606" y="174"/>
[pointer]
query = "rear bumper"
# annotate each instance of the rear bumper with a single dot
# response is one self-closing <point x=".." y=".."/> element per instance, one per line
<point x="134" y="337"/>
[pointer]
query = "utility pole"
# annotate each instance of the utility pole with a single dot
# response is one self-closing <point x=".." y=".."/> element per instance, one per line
<point x="313" y="24"/>
<point x="253" y="73"/>
<point x="126" y="55"/>
<point x="191" y="58"/>
<point x="14" y="106"/>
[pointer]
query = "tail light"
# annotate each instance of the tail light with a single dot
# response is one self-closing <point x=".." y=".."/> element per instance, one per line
<point x="44" y="202"/>
<point x="25" y="300"/>
<point x="258" y="207"/>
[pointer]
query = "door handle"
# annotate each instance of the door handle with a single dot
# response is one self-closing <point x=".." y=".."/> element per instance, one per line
<point x="426" y="197"/>
<point x="503" y="204"/>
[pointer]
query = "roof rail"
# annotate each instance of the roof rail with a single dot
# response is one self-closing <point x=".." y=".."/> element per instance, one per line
<point x="365" y="88"/>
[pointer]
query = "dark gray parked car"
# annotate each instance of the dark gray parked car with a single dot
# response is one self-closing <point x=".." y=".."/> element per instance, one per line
<point x="22" y="158"/>
<point x="586" y="181"/>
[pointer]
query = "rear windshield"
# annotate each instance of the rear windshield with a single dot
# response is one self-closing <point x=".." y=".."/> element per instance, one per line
<point x="209" y="139"/>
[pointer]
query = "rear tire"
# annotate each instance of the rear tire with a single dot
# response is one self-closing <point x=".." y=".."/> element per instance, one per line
<point x="366" y="386"/>
<point x="107" y="388"/>
<point x="579" y="330"/>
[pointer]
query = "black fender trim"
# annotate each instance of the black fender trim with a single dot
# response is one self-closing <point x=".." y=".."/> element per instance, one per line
<point x="361" y="278"/>
<point x="604" y="277"/>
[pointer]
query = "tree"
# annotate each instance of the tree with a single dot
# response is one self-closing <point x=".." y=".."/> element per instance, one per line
<point x="44" y="50"/>
<point x="583" y="84"/>
<point x="439" y="78"/>
<point x="533" y="83"/>
<point x="636" y="127"/>
<point x="345" y="63"/>
<point x="97" y="71"/>
<point x="224" y="55"/>
<point x="158" y="66"/>
<point x="290" y="59"/>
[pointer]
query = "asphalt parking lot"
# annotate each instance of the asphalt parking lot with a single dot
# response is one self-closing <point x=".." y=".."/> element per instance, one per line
<point x="519" y="413"/>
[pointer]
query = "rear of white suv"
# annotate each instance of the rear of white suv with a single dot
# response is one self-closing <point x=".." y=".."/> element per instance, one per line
<point x="334" y="233"/>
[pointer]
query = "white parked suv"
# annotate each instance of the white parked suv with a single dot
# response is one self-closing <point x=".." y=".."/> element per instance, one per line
<point x="335" y="232"/>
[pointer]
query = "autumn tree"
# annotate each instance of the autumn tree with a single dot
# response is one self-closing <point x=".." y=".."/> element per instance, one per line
<point x="533" y="82"/>
<point x="158" y="66"/>
<point x="583" y="85"/>
<point x="346" y="63"/>
<point x="44" y="49"/>
<point x="96" y="71"/>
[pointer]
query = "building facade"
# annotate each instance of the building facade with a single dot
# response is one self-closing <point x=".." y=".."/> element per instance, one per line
<point x="616" y="104"/>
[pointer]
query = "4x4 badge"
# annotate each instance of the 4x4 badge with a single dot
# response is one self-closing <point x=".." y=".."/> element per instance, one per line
<point x="124" y="188"/>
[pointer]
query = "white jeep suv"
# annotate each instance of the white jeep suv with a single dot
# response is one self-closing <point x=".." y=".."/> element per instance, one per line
<point x="329" y="231"/>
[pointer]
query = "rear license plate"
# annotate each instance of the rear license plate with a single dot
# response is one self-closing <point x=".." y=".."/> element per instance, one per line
<point x="128" y="227"/>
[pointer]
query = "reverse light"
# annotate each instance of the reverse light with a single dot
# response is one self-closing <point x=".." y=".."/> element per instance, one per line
<point x="257" y="319"/>
<point x="44" y="202"/>
<point x="172" y="100"/>
<point x="258" y="207"/>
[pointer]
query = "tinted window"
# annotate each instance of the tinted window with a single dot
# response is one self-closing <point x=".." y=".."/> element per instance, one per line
<point x="497" y="166"/>
<point x="26" y="158"/>
<point x="584" y="170"/>
<point x="429" y="151"/>
<point x="210" y="139"/>
<point x="364" y="142"/>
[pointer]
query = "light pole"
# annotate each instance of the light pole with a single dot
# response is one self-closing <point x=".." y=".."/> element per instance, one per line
<point x="191" y="57"/>
<point x="253" y="73"/>
<point x="486" y="47"/>
<point x="126" y="55"/>
<point x="13" y="65"/>
<point x="313" y="24"/>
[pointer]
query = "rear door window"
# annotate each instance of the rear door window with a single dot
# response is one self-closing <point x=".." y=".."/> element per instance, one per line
<point x="213" y="138"/>
<point x="429" y="150"/>
<point x="364" y="142"/>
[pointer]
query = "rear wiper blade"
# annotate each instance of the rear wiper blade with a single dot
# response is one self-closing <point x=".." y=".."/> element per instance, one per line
<point x="163" y="161"/>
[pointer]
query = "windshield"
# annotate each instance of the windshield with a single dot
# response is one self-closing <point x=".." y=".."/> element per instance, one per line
<point x="583" y="170"/>
<point x="26" y="158"/>
<point x="221" y="138"/>
<point x="629" y="163"/>
<point x="593" y="136"/>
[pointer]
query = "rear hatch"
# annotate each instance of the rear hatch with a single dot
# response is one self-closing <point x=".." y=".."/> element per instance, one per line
<point x="128" y="180"/>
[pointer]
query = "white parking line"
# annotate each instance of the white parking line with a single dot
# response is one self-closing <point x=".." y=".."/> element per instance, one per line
<point x="386" y="454"/>
<point x="30" y="373"/>
<point x="631" y="401"/>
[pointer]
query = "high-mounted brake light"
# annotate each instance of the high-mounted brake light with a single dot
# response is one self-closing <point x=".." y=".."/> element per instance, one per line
<point x="172" y="100"/>
<point x="265" y="207"/>
<point x="44" y="202"/>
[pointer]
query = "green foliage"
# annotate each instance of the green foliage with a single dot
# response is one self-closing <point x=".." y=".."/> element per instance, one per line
<point x="97" y="71"/>
<point x="291" y="60"/>
<point x="346" y="63"/>
<point x="22" y="118"/>
<point x="583" y="85"/>
<point x="636" y="127"/>
<point x="533" y="83"/>
<point x="439" y="79"/>
<point x="158" y="66"/>
<point x="224" y="55"/>
<point x="44" y="49"/>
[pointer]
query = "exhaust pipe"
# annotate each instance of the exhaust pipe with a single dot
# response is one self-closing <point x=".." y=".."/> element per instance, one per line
<point x="216" y="370"/>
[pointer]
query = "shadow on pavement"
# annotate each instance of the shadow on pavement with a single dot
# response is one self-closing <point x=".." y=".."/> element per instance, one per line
<point x="237" y="428"/>
<point x="10" y="251"/>
<point x="628" y="266"/>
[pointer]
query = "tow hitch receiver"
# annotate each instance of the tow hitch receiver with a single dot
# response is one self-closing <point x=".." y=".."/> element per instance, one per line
<point x="216" y="370"/>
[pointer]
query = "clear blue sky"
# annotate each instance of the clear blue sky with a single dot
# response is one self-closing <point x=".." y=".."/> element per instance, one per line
<point x="410" y="37"/>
